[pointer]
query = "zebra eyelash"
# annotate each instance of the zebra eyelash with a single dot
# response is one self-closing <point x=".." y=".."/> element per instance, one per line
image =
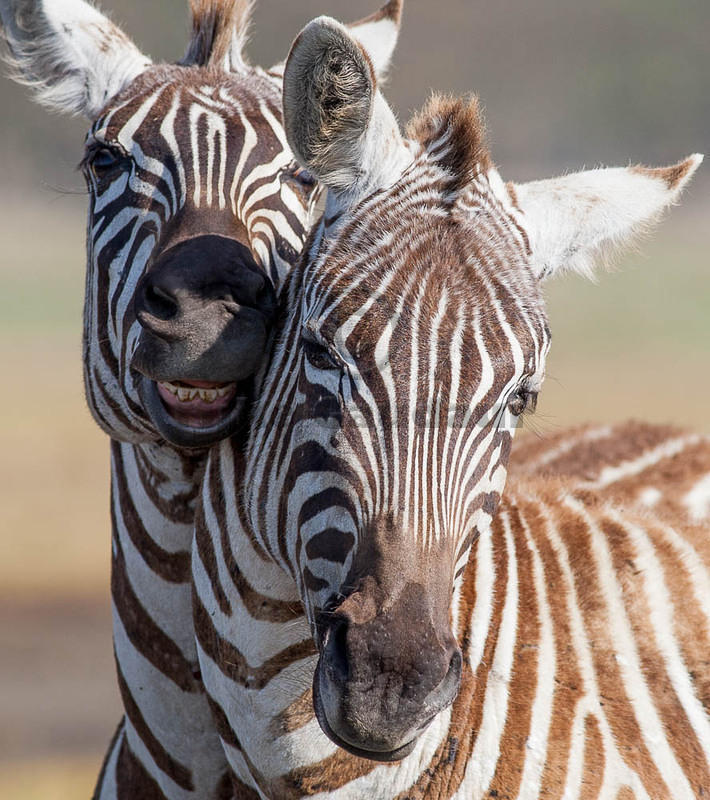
<point x="320" y="354"/>
<point x="103" y="161"/>
<point x="523" y="400"/>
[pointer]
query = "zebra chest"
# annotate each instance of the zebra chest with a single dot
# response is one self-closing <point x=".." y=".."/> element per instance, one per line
<point x="283" y="753"/>
<point x="258" y="675"/>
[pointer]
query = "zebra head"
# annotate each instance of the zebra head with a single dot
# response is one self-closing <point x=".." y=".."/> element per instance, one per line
<point x="196" y="211"/>
<point x="414" y="338"/>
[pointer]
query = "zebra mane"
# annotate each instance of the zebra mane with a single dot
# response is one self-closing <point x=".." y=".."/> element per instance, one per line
<point x="219" y="33"/>
<point x="452" y="132"/>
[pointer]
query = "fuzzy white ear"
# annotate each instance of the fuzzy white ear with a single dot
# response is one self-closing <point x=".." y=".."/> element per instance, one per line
<point x="575" y="220"/>
<point x="378" y="35"/>
<point x="72" y="56"/>
<point x="337" y="123"/>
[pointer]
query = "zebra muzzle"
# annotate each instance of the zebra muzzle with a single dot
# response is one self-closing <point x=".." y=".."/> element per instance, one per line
<point x="382" y="679"/>
<point x="205" y="308"/>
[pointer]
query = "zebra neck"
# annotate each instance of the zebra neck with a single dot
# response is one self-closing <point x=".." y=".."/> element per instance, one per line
<point x="153" y="497"/>
<point x="175" y="471"/>
<point x="168" y="729"/>
<point x="154" y="491"/>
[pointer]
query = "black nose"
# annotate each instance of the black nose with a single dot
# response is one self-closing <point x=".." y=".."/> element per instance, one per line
<point x="196" y="281"/>
<point x="206" y="308"/>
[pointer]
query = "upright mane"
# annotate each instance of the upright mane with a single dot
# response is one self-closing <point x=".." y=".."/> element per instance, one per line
<point x="219" y="33"/>
<point x="453" y="132"/>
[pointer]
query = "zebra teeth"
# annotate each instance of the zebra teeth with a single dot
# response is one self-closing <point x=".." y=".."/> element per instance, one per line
<point x="171" y="387"/>
<point x="185" y="394"/>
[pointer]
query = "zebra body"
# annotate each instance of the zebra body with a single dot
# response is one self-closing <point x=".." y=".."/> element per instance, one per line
<point x="654" y="467"/>
<point x="580" y="621"/>
<point x="234" y="165"/>
<point x="195" y="216"/>
<point x="375" y="617"/>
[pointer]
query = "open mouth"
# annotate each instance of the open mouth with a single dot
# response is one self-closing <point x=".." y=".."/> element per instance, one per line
<point x="197" y="404"/>
<point x="192" y="413"/>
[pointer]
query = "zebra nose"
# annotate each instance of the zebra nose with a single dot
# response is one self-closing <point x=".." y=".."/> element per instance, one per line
<point x="195" y="283"/>
<point x="434" y="662"/>
<point x="206" y="309"/>
<point x="384" y="673"/>
<point x="165" y="304"/>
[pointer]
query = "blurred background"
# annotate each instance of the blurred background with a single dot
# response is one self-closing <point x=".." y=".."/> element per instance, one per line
<point x="564" y="85"/>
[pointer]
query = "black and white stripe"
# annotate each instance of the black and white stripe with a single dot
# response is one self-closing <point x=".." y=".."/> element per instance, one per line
<point x="173" y="151"/>
<point x="364" y="525"/>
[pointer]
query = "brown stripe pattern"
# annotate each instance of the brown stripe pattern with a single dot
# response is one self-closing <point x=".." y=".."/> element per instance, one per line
<point x="411" y="341"/>
<point x="655" y="467"/>
<point x="555" y="700"/>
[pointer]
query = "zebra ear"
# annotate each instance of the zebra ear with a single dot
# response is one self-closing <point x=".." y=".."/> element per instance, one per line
<point x="574" y="221"/>
<point x="219" y="34"/>
<point x="337" y="123"/>
<point x="377" y="34"/>
<point x="72" y="56"/>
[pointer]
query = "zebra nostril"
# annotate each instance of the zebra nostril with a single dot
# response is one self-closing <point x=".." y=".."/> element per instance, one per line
<point x="159" y="303"/>
<point x="449" y="686"/>
<point x="455" y="665"/>
<point x="251" y="289"/>
<point x="336" y="649"/>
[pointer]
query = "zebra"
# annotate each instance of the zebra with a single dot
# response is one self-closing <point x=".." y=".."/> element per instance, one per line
<point x="375" y="616"/>
<point x="196" y="213"/>
<point x="659" y="468"/>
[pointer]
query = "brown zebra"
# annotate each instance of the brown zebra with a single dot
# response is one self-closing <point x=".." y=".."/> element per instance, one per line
<point x="654" y="467"/>
<point x="196" y="213"/>
<point x="374" y="619"/>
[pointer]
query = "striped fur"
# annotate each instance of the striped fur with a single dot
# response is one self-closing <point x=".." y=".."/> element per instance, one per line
<point x="654" y="467"/>
<point x="357" y="562"/>
<point x="210" y="157"/>
<point x="585" y="629"/>
<point x="174" y="152"/>
<point x="207" y="154"/>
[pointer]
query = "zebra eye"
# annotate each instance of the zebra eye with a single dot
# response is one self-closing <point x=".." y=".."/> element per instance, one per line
<point x="301" y="176"/>
<point x="104" y="161"/>
<point x="304" y="177"/>
<point x="318" y="355"/>
<point x="522" y="400"/>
